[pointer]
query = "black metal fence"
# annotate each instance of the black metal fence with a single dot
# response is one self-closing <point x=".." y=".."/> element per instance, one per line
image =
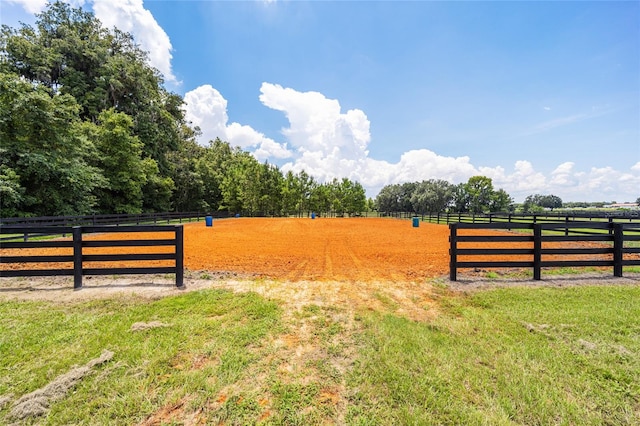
<point x="79" y="257"/>
<point x="540" y="240"/>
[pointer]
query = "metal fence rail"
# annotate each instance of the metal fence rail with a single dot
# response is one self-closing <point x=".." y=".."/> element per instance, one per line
<point x="79" y="257"/>
<point x="536" y="240"/>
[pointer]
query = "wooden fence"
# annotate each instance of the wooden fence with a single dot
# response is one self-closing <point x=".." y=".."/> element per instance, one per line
<point x="548" y="217"/>
<point x="79" y="257"/>
<point x="613" y="246"/>
<point x="100" y="219"/>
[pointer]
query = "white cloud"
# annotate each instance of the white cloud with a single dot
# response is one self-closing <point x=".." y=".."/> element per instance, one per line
<point x="131" y="16"/>
<point x="206" y="108"/>
<point x="31" y="6"/>
<point x="330" y="143"/>
<point x="564" y="176"/>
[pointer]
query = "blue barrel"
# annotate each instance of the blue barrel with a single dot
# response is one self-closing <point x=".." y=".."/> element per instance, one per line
<point x="313" y="215"/>
<point x="416" y="222"/>
<point x="209" y="220"/>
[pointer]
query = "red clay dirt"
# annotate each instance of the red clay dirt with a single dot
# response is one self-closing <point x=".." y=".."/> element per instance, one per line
<point x="321" y="249"/>
<point x="349" y="249"/>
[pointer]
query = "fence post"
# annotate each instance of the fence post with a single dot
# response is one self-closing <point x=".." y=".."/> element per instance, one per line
<point x="453" y="251"/>
<point x="537" y="250"/>
<point x="611" y="228"/>
<point x="618" y="244"/>
<point x="77" y="257"/>
<point x="179" y="256"/>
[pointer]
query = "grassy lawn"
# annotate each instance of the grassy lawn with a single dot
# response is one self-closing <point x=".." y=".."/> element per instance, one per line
<point x="504" y="356"/>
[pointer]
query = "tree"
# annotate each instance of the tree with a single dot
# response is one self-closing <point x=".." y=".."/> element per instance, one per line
<point x="306" y="184"/>
<point x="69" y="55"/>
<point x="480" y="190"/>
<point x="406" y="192"/>
<point x="432" y="196"/>
<point x="461" y="199"/>
<point x="11" y="193"/>
<point x="184" y="171"/>
<point x="120" y="158"/>
<point x="86" y="126"/>
<point x="44" y="162"/>
<point x="501" y="201"/>
<point x="538" y="202"/>
<point x="389" y="198"/>
<point x="211" y="166"/>
<point x="356" y="202"/>
<point x="291" y="193"/>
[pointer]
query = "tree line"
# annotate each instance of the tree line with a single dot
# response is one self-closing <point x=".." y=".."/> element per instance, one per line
<point x="477" y="195"/>
<point x="86" y="126"/>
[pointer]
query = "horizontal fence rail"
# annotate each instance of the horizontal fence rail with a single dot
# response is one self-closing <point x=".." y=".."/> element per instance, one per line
<point x="78" y="254"/>
<point x="553" y="218"/>
<point x="31" y="223"/>
<point x="535" y="243"/>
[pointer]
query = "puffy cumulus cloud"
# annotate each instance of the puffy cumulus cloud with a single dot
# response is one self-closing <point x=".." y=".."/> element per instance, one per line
<point x="206" y="108"/>
<point x="522" y="181"/>
<point x="605" y="184"/>
<point x="423" y="164"/>
<point x="563" y="176"/>
<point x="31" y="6"/>
<point x="331" y="143"/>
<point x="131" y="16"/>
<point x="316" y="123"/>
<point x="328" y="143"/>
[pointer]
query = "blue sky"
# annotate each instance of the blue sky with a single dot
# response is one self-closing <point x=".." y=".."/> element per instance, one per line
<point x="543" y="97"/>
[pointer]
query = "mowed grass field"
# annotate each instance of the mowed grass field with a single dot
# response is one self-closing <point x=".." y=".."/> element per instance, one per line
<point x="268" y="350"/>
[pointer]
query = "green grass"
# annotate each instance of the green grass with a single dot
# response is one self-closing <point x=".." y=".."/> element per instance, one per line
<point x="204" y="348"/>
<point x="506" y="356"/>
<point x="516" y="356"/>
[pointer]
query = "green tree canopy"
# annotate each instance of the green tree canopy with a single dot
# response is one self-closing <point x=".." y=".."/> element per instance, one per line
<point x="539" y="202"/>
<point x="44" y="163"/>
<point x="86" y="126"/>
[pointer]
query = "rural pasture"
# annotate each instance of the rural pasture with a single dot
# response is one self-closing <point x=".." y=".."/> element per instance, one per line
<point x="324" y="321"/>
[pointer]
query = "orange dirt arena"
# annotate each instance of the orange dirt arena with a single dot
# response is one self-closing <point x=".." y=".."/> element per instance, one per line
<point x="340" y="249"/>
<point x="299" y="249"/>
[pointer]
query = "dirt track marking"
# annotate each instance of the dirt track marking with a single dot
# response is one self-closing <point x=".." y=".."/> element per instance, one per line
<point x="298" y="271"/>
